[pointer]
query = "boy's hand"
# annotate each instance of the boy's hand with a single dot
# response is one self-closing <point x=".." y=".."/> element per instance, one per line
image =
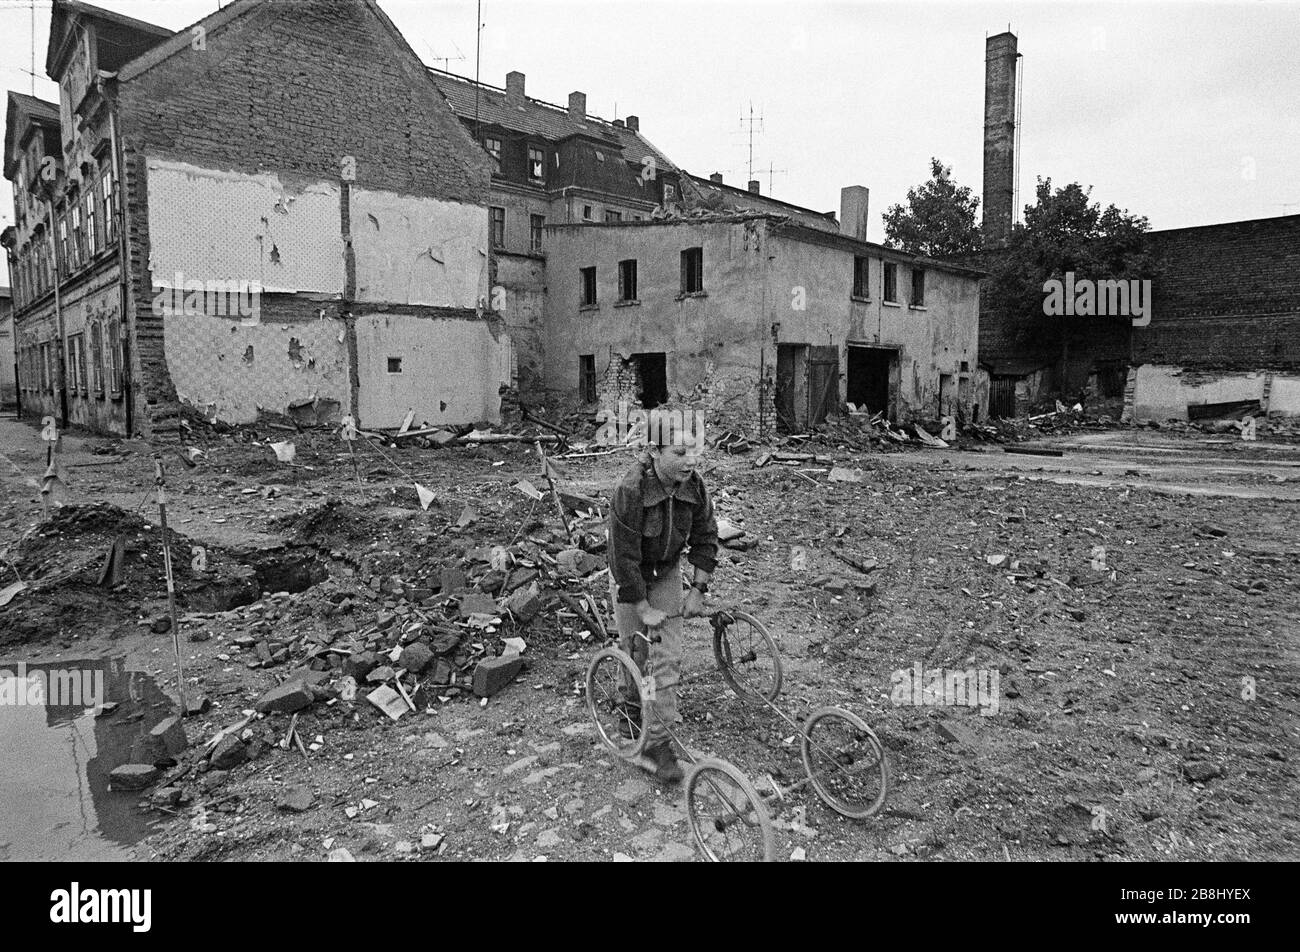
<point x="650" y="616"/>
<point x="694" y="604"/>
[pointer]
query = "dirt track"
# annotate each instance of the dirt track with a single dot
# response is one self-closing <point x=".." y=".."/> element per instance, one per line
<point x="1123" y="729"/>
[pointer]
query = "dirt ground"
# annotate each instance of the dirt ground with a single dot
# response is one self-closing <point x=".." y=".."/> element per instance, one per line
<point x="1136" y="596"/>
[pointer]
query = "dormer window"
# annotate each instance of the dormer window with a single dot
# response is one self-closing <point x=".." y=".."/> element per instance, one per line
<point x="536" y="164"/>
<point x="493" y="147"/>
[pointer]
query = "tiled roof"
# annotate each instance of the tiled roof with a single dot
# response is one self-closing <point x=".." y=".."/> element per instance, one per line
<point x="36" y="108"/>
<point x="535" y="117"/>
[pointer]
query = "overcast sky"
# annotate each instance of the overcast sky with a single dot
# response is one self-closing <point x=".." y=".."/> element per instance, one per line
<point x="1188" y="113"/>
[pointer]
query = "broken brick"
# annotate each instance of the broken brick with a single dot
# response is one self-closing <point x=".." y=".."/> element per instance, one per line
<point x="494" y="674"/>
<point x="293" y="695"/>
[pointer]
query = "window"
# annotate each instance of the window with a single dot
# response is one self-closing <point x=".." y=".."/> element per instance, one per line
<point x="692" y="270"/>
<point x="636" y="217"/>
<point x="918" y="287"/>
<point x="588" y="286"/>
<point x="77" y="369"/>
<point x="535" y="225"/>
<point x="114" y="357"/>
<point x="46" y="376"/>
<point x="493" y="147"/>
<point x="77" y="246"/>
<point x="612" y="216"/>
<point x="670" y="192"/>
<point x="498" y="227"/>
<point x="890" y="292"/>
<point x="536" y="164"/>
<point x="106" y="200"/>
<point x="587" y="377"/>
<point x="63" y="243"/>
<point x="394" y="365"/>
<point x="93" y="238"/>
<point x="861" y="287"/>
<point x="627" y="280"/>
<point x="97" y="358"/>
<point x="586" y="213"/>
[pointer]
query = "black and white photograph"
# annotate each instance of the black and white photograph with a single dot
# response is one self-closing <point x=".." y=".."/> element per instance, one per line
<point x="639" y="431"/>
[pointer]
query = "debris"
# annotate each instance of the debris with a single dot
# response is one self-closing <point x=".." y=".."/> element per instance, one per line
<point x="525" y="603"/>
<point x="927" y="439"/>
<point x="840" y="474"/>
<point x="1200" y="771"/>
<point x="954" y="733"/>
<point x="230" y="752"/>
<point x="340" y="855"/>
<point x="494" y="674"/>
<point x="293" y="695"/>
<point x="514" y="646"/>
<point x="295" y="800"/>
<point x="416" y="657"/>
<point x="284" y="452"/>
<point x="388" y="701"/>
<point x="9" y="591"/>
<point x="425" y="494"/>
<point x="132" y="776"/>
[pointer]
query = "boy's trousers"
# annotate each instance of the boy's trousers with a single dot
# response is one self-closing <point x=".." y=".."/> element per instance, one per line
<point x="661" y="660"/>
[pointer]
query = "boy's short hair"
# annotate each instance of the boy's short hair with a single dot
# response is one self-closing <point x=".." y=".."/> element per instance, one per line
<point x="674" y="426"/>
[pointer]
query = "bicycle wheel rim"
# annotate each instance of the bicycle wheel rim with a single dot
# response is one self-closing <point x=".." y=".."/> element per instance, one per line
<point x="726" y="814"/>
<point x="613" y="680"/>
<point x="845" y="762"/>
<point x="748" y="657"/>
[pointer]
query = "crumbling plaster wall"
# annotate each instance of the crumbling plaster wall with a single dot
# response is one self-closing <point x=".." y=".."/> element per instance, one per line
<point x="414" y="250"/>
<point x="932" y="340"/>
<point x="214" y="225"/>
<point x="712" y="340"/>
<point x="231" y="370"/>
<point x="1164" y="393"/>
<point x="451" y="371"/>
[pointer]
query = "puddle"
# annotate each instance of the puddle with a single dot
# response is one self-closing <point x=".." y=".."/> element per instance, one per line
<point x="56" y="755"/>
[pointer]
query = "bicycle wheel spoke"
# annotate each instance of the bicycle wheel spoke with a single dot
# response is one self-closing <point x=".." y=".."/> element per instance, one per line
<point x="726" y="815"/>
<point x="845" y="763"/>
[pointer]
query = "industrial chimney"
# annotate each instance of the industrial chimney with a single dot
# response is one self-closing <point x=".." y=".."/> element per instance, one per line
<point x="1000" y="60"/>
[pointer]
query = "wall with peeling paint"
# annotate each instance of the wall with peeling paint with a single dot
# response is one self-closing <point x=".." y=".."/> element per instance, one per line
<point x="412" y="250"/>
<point x="451" y="369"/>
<point x="208" y="224"/>
<point x="1164" y="393"/>
<point x="230" y="370"/>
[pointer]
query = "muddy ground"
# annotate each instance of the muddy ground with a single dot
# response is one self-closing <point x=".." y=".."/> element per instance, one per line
<point x="1136" y="596"/>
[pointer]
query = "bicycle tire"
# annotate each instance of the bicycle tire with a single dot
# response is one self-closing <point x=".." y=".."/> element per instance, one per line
<point x="602" y="696"/>
<point x="854" y="809"/>
<point x="770" y="690"/>
<point x="698" y="775"/>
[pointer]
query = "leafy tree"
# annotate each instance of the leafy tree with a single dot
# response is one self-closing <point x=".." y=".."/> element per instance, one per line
<point x="939" y="218"/>
<point x="1064" y="231"/>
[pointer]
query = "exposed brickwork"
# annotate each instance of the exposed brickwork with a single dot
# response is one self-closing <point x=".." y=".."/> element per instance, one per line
<point x="1228" y="297"/>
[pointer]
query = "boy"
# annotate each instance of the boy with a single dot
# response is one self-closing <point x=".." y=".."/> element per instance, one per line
<point x="661" y="507"/>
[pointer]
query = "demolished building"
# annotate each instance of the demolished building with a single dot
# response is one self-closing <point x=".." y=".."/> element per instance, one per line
<point x="758" y="319"/>
<point x="236" y="218"/>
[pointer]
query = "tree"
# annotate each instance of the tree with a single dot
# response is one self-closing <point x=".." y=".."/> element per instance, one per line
<point x="939" y="218"/>
<point x="1064" y="231"/>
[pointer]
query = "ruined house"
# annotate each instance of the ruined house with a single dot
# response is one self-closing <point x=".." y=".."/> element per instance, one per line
<point x="238" y="218"/>
<point x="758" y="318"/>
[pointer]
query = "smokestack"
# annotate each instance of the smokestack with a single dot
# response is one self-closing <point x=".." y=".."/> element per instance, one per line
<point x="999" y="138"/>
<point x="578" y="105"/>
<point x="716" y="177"/>
<point x="514" y="86"/>
<point x="753" y="185"/>
<point x="634" y="123"/>
<point x="853" y="211"/>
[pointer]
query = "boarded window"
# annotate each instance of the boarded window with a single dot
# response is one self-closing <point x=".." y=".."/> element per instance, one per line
<point x="588" y="286"/>
<point x="692" y="270"/>
<point x="627" y="280"/>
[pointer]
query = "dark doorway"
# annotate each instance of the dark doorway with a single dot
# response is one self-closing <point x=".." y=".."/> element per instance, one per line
<point x="652" y="371"/>
<point x="1002" y="398"/>
<point x="870" y="370"/>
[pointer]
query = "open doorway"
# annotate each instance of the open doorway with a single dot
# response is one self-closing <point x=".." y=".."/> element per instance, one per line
<point x="652" y="372"/>
<point x="871" y="373"/>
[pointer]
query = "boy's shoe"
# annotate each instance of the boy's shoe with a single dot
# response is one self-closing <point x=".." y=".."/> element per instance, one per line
<point x="666" y="766"/>
<point x="629" y="723"/>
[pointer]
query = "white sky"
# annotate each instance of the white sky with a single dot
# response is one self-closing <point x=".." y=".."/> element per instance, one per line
<point x="1188" y="113"/>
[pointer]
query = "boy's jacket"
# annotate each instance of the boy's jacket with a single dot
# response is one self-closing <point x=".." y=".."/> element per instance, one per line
<point x="648" y="529"/>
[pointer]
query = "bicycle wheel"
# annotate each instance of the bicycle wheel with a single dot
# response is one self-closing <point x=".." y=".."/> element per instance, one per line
<point x="727" y="815"/>
<point x="845" y="762"/>
<point x="747" y="656"/>
<point x="614" y="702"/>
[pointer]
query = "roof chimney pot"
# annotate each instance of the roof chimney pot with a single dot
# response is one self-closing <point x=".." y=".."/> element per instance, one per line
<point x="634" y="123"/>
<point x="753" y="185"/>
<point x="716" y="177"/>
<point x="578" y="105"/>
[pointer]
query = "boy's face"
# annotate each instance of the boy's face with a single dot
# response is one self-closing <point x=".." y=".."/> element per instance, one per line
<point x="674" y="464"/>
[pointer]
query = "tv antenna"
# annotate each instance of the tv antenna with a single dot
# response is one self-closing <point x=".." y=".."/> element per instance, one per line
<point x="446" y="60"/>
<point x="771" y="172"/>
<point x="751" y="121"/>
